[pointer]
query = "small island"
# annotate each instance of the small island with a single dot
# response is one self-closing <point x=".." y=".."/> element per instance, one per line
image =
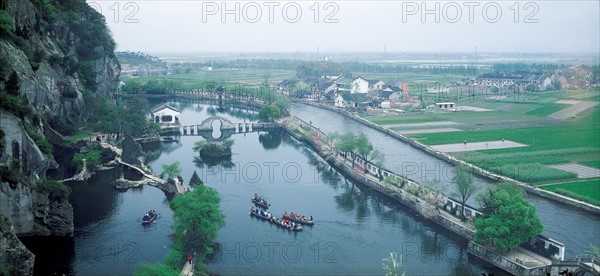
<point x="214" y="149"/>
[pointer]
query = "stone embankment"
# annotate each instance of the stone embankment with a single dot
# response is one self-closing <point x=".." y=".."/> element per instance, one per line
<point x="451" y="159"/>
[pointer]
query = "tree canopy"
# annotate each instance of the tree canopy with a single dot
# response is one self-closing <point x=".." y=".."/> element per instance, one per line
<point x="197" y="223"/>
<point x="269" y="112"/>
<point x="464" y="185"/>
<point x="512" y="220"/>
<point x="311" y="71"/>
<point x="195" y="180"/>
<point x="170" y="170"/>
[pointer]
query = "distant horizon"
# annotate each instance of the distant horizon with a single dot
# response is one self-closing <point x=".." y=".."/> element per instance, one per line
<point x="535" y="27"/>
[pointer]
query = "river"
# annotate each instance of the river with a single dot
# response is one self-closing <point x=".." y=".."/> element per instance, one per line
<point x="355" y="228"/>
<point x="572" y="227"/>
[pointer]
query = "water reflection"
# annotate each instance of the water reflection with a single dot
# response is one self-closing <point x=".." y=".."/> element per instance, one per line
<point x="270" y="139"/>
<point x="214" y="162"/>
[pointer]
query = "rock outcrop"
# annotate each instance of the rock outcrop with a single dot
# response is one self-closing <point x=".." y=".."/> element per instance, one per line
<point x="29" y="210"/>
<point x="54" y="57"/>
<point x="14" y="256"/>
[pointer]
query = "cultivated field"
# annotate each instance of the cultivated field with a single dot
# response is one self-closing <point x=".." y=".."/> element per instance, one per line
<point x="571" y="141"/>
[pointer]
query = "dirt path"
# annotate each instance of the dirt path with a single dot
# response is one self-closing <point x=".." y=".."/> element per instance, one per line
<point x="425" y="124"/>
<point x="581" y="170"/>
<point x="572" y="111"/>
<point x="429" y="130"/>
<point x="469" y="146"/>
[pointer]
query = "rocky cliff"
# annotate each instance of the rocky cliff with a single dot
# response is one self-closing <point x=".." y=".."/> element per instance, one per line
<point x="15" y="258"/>
<point x="56" y="60"/>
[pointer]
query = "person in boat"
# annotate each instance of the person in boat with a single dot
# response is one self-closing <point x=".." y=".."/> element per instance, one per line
<point x="311" y="218"/>
<point x="285" y="213"/>
<point x="252" y="210"/>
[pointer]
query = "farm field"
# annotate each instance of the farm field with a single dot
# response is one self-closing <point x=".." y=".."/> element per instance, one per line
<point x="588" y="190"/>
<point x="549" y="141"/>
<point x="199" y="79"/>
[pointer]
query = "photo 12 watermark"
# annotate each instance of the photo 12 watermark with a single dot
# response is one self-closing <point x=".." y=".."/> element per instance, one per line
<point x="117" y="11"/>
<point x="232" y="253"/>
<point x="469" y="11"/>
<point x="269" y="11"/>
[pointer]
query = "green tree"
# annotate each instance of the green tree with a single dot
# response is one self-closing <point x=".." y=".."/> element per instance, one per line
<point x="7" y="26"/>
<point x="197" y="223"/>
<point x="556" y="85"/>
<point x="170" y="170"/>
<point x="158" y="269"/>
<point x="363" y="145"/>
<point x="593" y="252"/>
<point x="131" y="87"/>
<point x="284" y="106"/>
<point x="464" y="185"/>
<point x="92" y="158"/>
<point x="195" y="180"/>
<point x="346" y="144"/>
<point x="513" y="221"/>
<point x="269" y="112"/>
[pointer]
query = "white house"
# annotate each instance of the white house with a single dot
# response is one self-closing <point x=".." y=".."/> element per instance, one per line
<point x="360" y="85"/>
<point x="545" y="83"/>
<point x="338" y="100"/>
<point x="376" y="85"/>
<point x="165" y="114"/>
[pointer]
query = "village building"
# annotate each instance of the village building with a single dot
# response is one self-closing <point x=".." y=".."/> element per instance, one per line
<point x="165" y="114"/>
<point x="445" y="105"/>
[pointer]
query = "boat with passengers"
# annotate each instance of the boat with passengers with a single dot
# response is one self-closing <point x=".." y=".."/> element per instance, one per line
<point x="298" y="218"/>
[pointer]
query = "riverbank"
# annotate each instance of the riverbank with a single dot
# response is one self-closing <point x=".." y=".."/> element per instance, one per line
<point x="584" y="206"/>
<point x="518" y="261"/>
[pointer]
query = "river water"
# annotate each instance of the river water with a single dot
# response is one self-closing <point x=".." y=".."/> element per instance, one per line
<point x="576" y="229"/>
<point x="355" y="227"/>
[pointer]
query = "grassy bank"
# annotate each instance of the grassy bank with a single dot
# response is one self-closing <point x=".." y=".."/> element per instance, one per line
<point x="588" y="190"/>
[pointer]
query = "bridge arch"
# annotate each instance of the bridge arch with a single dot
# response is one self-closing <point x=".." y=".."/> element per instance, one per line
<point x="207" y="124"/>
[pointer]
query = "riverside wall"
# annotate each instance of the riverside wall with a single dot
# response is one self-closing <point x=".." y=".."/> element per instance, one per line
<point x="479" y="171"/>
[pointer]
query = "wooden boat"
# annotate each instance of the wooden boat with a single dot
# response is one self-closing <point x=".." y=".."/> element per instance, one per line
<point x="280" y="223"/>
<point x="260" y="202"/>
<point x="273" y="220"/>
<point x="298" y="220"/>
<point x="260" y="216"/>
<point x="149" y="217"/>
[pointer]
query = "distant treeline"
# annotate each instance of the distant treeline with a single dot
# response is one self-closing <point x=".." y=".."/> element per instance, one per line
<point x="378" y="68"/>
<point x="529" y="67"/>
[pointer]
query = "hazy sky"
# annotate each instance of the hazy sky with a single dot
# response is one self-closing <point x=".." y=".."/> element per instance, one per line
<point x="286" y="26"/>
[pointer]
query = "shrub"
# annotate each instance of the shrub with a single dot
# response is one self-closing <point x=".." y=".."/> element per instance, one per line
<point x="92" y="158"/>
<point x="39" y="140"/>
<point x="56" y="191"/>
<point x="7" y="24"/>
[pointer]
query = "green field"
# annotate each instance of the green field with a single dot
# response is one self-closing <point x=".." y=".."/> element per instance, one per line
<point x="398" y="119"/>
<point x="595" y="164"/>
<point x="78" y="135"/>
<point x="484" y="117"/>
<point x="547" y="109"/>
<point x="588" y="190"/>
<point x="549" y="141"/>
<point x="199" y="79"/>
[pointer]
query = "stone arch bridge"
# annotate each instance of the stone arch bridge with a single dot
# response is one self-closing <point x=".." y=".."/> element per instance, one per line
<point x="225" y="127"/>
